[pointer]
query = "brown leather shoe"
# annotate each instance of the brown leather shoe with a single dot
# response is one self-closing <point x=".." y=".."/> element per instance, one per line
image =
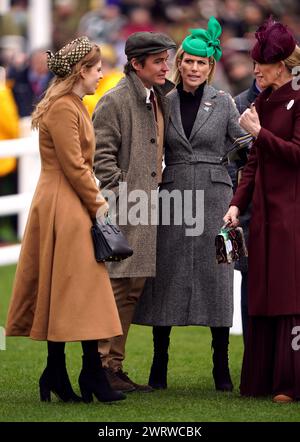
<point x="282" y="399"/>
<point x="122" y="375"/>
<point x="117" y="383"/>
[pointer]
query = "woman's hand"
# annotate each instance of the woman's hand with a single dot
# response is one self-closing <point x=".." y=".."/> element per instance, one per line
<point x="249" y="121"/>
<point x="102" y="213"/>
<point x="231" y="217"/>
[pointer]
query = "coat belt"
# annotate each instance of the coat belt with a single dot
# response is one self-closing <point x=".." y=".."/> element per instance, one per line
<point x="196" y="160"/>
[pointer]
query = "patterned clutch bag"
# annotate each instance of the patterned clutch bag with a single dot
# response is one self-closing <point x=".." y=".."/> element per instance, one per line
<point x="230" y="245"/>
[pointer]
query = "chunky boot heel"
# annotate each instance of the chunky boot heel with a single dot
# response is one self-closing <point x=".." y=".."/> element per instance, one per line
<point x="55" y="379"/>
<point x="86" y="395"/>
<point x="45" y="395"/>
<point x="93" y="381"/>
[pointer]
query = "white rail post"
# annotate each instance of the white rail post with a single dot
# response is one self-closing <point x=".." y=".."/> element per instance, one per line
<point x="4" y="6"/>
<point x="236" y="328"/>
<point x="40" y="24"/>
<point x="28" y="171"/>
<point x="29" y="168"/>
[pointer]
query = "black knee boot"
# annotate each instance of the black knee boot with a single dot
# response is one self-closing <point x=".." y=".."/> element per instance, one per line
<point x="159" y="368"/>
<point x="92" y="379"/>
<point x="221" y="374"/>
<point x="55" y="377"/>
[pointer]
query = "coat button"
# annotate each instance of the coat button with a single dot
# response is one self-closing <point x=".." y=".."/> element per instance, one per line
<point x="149" y="107"/>
<point x="153" y="174"/>
<point x="152" y="140"/>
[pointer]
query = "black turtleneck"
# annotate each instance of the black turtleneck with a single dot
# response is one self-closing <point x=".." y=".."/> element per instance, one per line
<point x="189" y="105"/>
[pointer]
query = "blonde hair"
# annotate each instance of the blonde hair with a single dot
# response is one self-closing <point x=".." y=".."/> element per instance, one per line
<point x="63" y="86"/>
<point x="176" y="76"/>
<point x="293" y="60"/>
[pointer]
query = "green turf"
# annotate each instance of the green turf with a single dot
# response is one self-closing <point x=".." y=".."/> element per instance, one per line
<point x="190" y="397"/>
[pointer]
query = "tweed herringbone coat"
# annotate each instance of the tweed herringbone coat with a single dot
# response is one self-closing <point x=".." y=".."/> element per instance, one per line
<point x="127" y="151"/>
<point x="60" y="292"/>
<point x="190" y="288"/>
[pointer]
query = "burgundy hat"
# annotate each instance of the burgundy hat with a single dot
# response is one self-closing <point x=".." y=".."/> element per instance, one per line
<point x="275" y="42"/>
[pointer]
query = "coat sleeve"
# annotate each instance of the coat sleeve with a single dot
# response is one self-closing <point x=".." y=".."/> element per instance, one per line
<point x="234" y="130"/>
<point x="63" y="126"/>
<point x="108" y="141"/>
<point x="287" y="151"/>
<point x="244" y="192"/>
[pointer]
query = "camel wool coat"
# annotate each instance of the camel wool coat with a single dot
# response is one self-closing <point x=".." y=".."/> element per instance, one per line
<point x="60" y="292"/>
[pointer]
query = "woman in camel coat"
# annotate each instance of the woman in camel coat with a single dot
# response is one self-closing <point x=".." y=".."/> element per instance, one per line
<point x="61" y="293"/>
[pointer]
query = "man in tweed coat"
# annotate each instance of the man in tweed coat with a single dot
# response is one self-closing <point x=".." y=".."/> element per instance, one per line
<point x="130" y="122"/>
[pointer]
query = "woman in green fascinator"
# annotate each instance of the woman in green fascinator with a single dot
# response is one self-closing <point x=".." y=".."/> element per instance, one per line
<point x="190" y="288"/>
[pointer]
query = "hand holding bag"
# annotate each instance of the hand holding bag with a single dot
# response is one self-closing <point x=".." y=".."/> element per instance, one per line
<point x="109" y="242"/>
<point x="230" y="245"/>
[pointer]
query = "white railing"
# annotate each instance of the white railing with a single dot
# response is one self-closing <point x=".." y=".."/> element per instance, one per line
<point x="27" y="152"/>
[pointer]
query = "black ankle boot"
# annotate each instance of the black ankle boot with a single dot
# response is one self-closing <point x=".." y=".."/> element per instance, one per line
<point x="159" y="368"/>
<point x="55" y="379"/>
<point x="220" y="370"/>
<point x="92" y="380"/>
<point x="159" y="371"/>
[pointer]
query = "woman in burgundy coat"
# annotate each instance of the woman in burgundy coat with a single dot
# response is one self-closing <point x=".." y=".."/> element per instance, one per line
<point x="271" y="180"/>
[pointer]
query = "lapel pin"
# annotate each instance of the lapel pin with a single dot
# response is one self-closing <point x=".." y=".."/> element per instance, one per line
<point x="207" y="103"/>
<point x="290" y="104"/>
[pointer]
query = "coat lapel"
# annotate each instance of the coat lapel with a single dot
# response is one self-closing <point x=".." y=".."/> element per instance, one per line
<point x="205" y="110"/>
<point x="175" y="117"/>
<point x="164" y="102"/>
<point x="165" y="106"/>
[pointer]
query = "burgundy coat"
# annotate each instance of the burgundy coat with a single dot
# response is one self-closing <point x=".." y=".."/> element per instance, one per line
<point x="272" y="180"/>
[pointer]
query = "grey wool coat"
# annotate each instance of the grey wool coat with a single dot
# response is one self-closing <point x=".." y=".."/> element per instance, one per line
<point x="190" y="288"/>
<point x="126" y="151"/>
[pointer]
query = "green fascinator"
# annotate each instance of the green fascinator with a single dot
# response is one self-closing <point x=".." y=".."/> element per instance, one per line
<point x="204" y="43"/>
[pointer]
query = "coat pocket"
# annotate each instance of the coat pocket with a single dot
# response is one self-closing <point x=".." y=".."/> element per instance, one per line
<point x="220" y="176"/>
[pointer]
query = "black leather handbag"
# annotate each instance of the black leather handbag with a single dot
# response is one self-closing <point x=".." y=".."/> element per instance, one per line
<point x="109" y="242"/>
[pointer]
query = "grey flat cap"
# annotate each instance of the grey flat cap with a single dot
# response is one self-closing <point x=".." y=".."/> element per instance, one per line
<point x="141" y="43"/>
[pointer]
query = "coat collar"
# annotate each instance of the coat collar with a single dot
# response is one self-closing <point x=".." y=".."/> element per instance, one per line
<point x="253" y="92"/>
<point x="141" y="94"/>
<point x="283" y="93"/>
<point x="205" y="110"/>
<point x="140" y="90"/>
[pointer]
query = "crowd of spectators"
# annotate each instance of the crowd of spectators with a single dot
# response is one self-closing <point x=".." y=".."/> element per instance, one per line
<point x="112" y="21"/>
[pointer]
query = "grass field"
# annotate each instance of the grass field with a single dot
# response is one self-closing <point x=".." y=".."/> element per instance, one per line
<point x="190" y="397"/>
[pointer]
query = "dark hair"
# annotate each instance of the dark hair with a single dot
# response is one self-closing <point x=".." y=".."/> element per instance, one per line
<point x="141" y="59"/>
